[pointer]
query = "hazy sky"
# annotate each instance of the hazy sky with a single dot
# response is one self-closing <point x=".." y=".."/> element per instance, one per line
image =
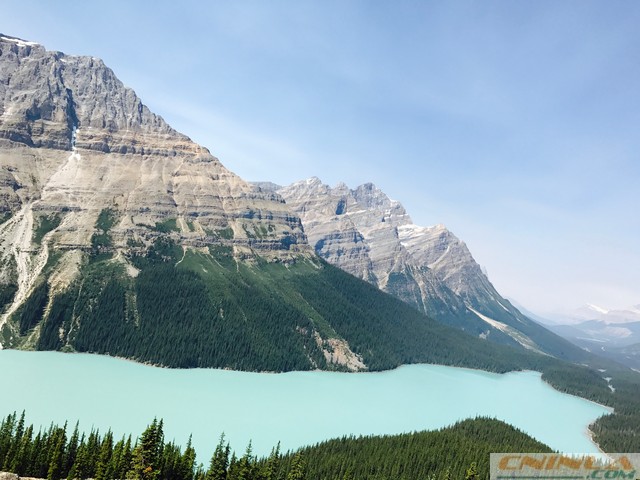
<point x="516" y="124"/>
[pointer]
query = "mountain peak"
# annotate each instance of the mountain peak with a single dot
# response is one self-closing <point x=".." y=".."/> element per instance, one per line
<point x="75" y="141"/>
<point x="47" y="96"/>
<point x="312" y="181"/>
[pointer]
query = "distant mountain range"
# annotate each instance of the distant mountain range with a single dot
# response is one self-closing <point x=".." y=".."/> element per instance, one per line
<point x="611" y="333"/>
<point x="594" y="312"/>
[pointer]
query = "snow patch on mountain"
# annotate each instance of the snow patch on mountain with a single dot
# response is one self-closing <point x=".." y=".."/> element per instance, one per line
<point x="512" y="332"/>
<point x="598" y="309"/>
<point x="18" y="41"/>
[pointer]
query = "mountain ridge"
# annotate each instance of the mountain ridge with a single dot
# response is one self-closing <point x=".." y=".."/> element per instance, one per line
<point x="593" y="312"/>
<point x="373" y="237"/>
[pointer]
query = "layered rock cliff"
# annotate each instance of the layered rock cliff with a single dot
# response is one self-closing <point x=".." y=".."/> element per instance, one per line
<point x="75" y="142"/>
<point x="98" y="145"/>
<point x="371" y="236"/>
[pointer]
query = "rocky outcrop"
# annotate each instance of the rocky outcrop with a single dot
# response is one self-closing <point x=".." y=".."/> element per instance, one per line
<point x="13" y="476"/>
<point x="8" y="476"/>
<point x="371" y="236"/>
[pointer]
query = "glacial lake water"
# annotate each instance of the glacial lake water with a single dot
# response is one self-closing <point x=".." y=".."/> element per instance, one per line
<point x="296" y="408"/>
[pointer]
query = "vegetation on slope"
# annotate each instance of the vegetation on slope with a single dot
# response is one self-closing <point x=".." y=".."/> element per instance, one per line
<point x="46" y="224"/>
<point x="207" y="310"/>
<point x="7" y="292"/>
<point x="101" y="241"/>
<point x="457" y="452"/>
<point x="619" y="431"/>
<point x="445" y="453"/>
<point x="8" y="286"/>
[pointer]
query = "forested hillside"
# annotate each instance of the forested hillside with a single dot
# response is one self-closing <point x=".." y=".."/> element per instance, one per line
<point x="447" y="453"/>
<point x="207" y="309"/>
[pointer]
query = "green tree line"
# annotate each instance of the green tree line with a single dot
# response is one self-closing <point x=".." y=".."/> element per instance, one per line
<point x="457" y="452"/>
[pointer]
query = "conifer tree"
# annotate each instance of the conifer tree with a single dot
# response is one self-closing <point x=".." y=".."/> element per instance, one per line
<point x="232" y="471"/>
<point x="147" y="454"/>
<point x="200" y="474"/>
<point x="13" y="440"/>
<point x="138" y="466"/>
<point x="246" y="464"/>
<point x="125" y="461"/>
<point x="298" y="468"/>
<point x="38" y="455"/>
<point x="6" y="436"/>
<point x="104" y="457"/>
<point x="56" y="454"/>
<point x="219" y="461"/>
<point x="92" y="453"/>
<point x="72" y="449"/>
<point x="121" y="459"/>
<point x="80" y="468"/>
<point x="187" y="462"/>
<point x="20" y="461"/>
<point x="272" y="466"/>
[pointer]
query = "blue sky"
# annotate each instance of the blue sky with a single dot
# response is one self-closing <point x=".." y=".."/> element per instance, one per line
<point x="516" y="124"/>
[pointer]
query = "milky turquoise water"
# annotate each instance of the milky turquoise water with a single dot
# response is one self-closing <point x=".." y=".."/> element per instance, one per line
<point x="297" y="408"/>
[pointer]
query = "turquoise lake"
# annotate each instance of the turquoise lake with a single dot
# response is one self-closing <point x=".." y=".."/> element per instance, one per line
<point x="297" y="408"/>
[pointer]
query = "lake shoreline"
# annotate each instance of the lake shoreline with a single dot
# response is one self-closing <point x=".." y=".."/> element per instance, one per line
<point x="416" y="397"/>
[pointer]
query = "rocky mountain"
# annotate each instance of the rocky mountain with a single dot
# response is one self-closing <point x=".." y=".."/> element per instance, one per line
<point x="74" y="141"/>
<point x="120" y="235"/>
<point x="371" y="236"/>
<point x="78" y="148"/>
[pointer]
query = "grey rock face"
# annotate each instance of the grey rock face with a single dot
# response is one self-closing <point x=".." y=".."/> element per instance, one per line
<point x="45" y="95"/>
<point x="369" y="235"/>
<point x="74" y="141"/>
<point x="267" y="186"/>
